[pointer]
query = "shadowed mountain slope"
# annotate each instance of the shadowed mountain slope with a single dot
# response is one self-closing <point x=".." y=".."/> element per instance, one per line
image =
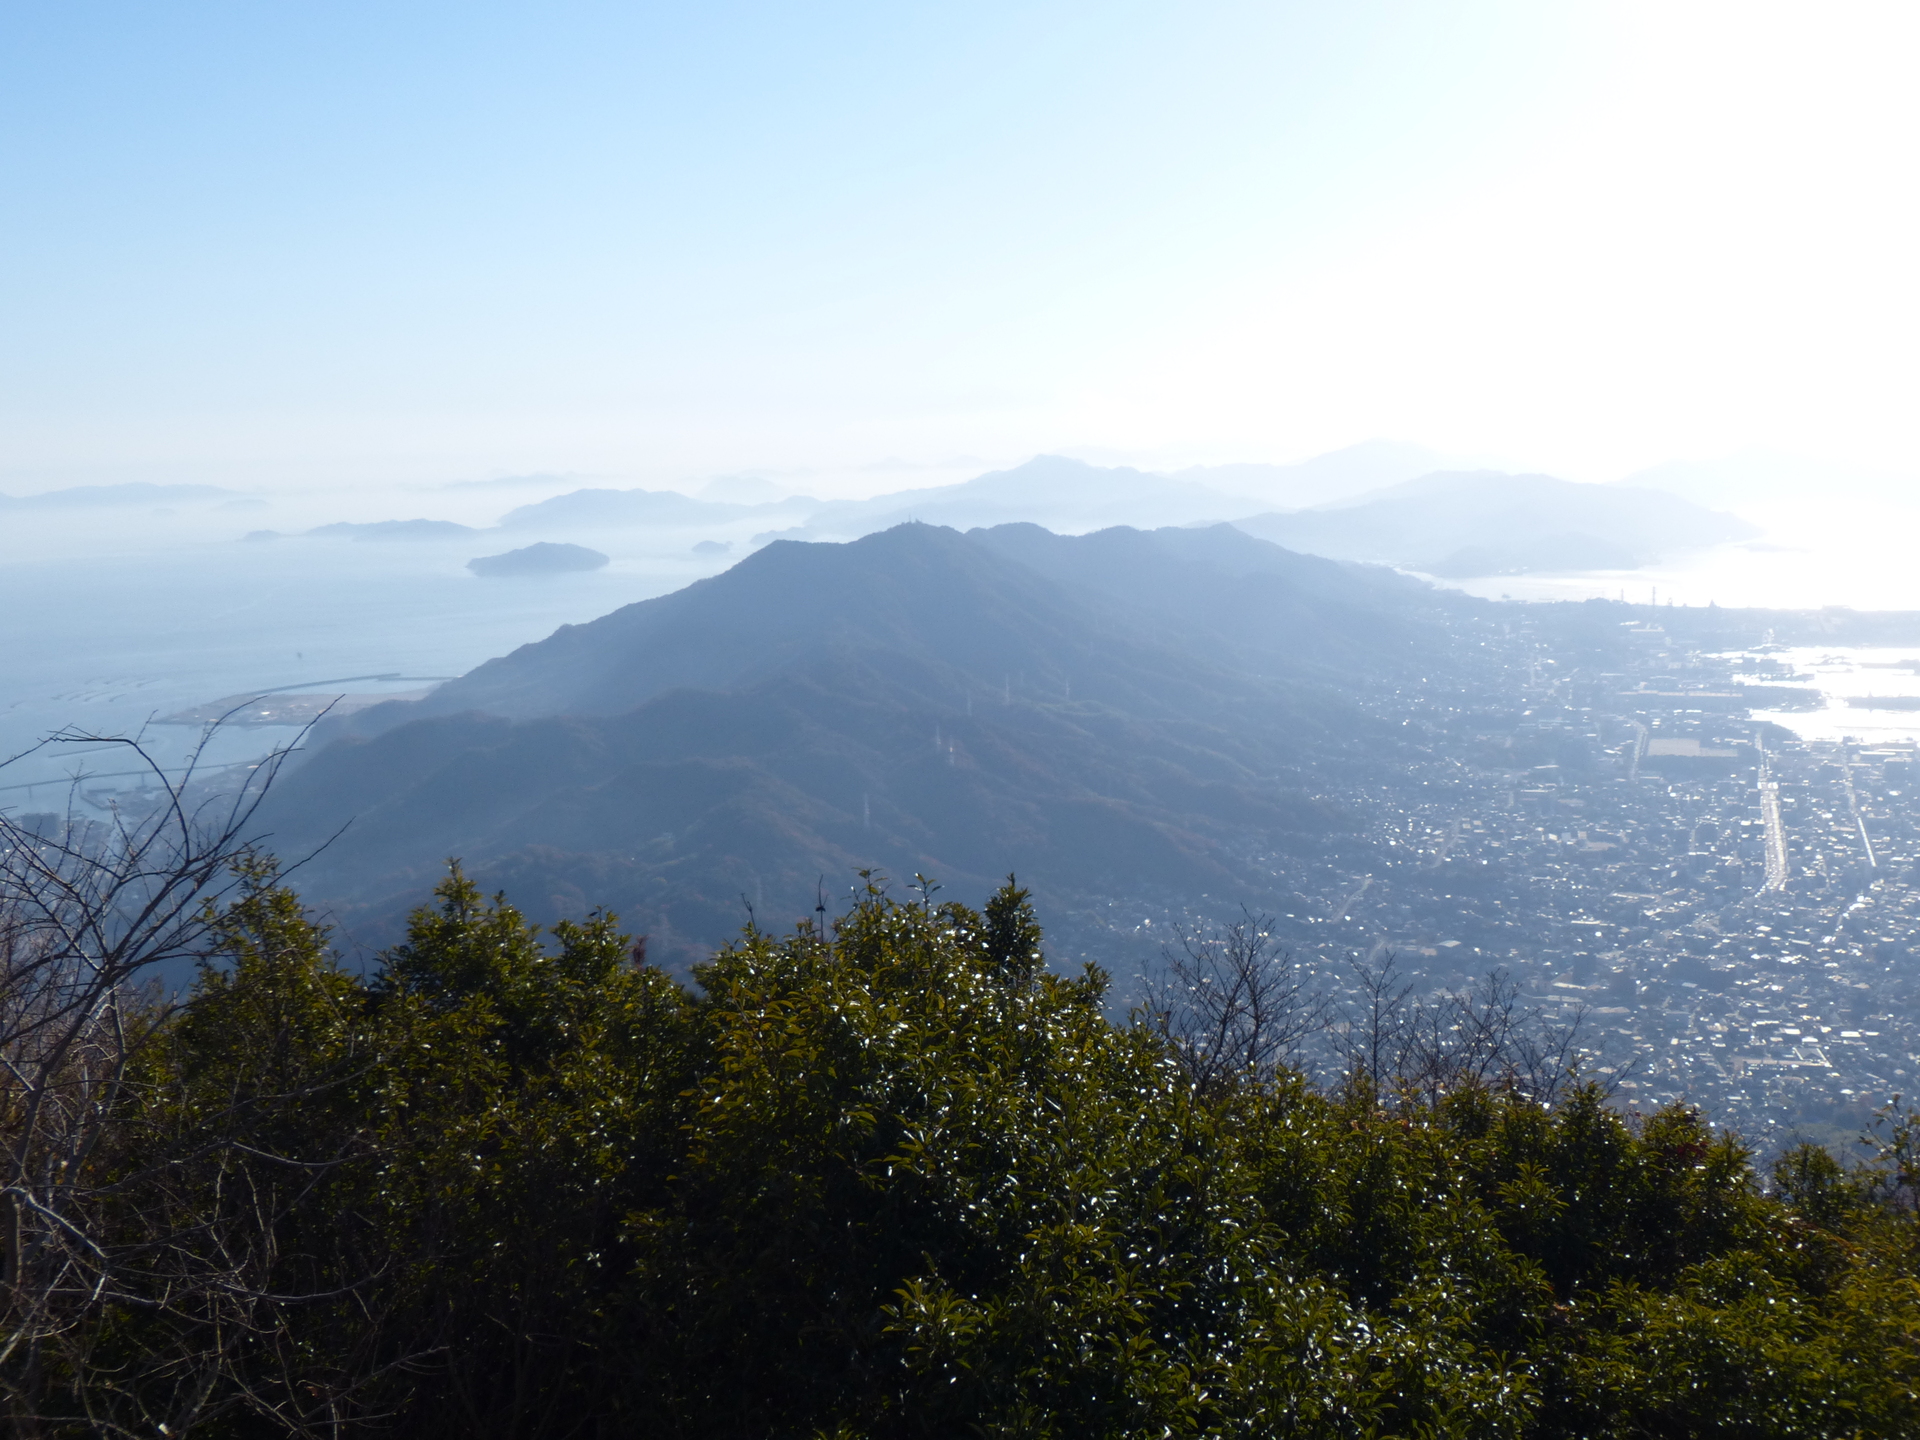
<point x="1218" y="590"/>
<point x="1121" y="713"/>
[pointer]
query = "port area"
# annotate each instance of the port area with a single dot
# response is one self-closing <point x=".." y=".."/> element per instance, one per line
<point x="287" y="708"/>
<point x="96" y="772"/>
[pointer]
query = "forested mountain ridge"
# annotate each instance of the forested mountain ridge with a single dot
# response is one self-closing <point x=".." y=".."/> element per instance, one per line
<point x="1125" y="710"/>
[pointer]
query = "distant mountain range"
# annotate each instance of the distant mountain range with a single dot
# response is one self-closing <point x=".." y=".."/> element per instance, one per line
<point x="1452" y="524"/>
<point x="1468" y="523"/>
<point x="1122" y="713"/>
<point x="1049" y="490"/>
<point x="617" y="509"/>
<point x="1325" y="479"/>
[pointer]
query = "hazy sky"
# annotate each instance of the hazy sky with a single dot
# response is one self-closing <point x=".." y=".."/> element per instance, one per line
<point x="410" y="241"/>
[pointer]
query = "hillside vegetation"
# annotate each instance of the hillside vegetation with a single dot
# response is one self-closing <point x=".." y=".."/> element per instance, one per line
<point x="888" y="1176"/>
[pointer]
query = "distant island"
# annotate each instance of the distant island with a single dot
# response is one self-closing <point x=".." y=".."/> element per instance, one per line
<point x="543" y="558"/>
<point x="394" y="530"/>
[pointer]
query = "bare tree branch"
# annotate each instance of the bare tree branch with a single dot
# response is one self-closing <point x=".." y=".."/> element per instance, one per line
<point x="93" y="913"/>
<point x="1232" y="1003"/>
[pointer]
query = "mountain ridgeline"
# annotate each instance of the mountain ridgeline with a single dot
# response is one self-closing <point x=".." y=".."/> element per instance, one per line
<point x="1125" y="713"/>
<point x="1385" y="505"/>
<point x="1458" y="524"/>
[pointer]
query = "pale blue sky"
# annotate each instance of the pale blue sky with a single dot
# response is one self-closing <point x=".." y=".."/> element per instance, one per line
<point x="406" y="241"/>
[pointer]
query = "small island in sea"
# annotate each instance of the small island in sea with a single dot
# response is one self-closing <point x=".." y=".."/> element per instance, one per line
<point x="542" y="558"/>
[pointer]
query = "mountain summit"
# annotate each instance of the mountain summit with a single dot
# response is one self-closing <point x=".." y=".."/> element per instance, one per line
<point x="1119" y="712"/>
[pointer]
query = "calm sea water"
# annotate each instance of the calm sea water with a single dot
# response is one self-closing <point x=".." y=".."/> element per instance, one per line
<point x="108" y="642"/>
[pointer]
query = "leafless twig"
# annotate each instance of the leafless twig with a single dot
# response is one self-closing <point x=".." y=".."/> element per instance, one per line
<point x="92" y="911"/>
<point x="1231" y="1002"/>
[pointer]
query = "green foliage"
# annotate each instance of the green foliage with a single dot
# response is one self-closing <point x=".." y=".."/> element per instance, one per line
<point x="900" y="1179"/>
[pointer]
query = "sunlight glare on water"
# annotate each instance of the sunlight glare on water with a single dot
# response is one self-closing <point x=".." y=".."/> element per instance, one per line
<point x="1808" y="557"/>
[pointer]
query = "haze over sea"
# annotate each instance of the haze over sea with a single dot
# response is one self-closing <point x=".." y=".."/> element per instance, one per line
<point x="1856" y="553"/>
<point x="126" y="617"/>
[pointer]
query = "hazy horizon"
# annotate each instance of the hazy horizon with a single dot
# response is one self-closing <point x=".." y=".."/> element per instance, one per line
<point x="365" y="247"/>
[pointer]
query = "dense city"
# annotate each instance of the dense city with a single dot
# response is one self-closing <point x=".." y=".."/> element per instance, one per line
<point x="1726" y="913"/>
